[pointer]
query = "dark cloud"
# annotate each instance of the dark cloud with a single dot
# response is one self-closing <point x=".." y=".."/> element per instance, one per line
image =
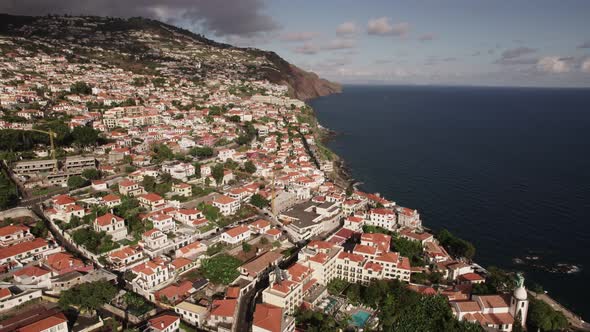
<point x="517" y="52"/>
<point x="218" y="17"/>
<point x="585" y="44"/>
<point x="517" y="61"/>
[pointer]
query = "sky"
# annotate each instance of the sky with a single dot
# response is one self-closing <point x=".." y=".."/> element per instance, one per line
<point x="442" y="42"/>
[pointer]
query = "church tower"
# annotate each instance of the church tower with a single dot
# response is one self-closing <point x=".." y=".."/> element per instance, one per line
<point x="519" y="303"/>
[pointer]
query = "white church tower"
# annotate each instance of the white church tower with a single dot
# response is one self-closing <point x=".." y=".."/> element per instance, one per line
<point x="519" y="304"/>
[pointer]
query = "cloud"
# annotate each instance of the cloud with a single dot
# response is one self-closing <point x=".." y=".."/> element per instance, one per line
<point x="298" y="36"/>
<point x="427" y="37"/>
<point x="382" y="27"/>
<point x="347" y="28"/>
<point x="553" y="64"/>
<point x="218" y="17"/>
<point x="585" y="66"/>
<point x="517" y="52"/>
<point x="340" y="44"/>
<point x="307" y="48"/>
<point x="585" y="44"/>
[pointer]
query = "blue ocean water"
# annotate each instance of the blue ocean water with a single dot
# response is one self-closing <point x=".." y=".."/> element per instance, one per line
<point x="506" y="168"/>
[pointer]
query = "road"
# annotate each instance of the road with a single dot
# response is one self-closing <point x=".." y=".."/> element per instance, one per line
<point x="575" y="321"/>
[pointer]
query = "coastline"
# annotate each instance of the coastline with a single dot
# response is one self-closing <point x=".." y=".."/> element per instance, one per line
<point x="342" y="172"/>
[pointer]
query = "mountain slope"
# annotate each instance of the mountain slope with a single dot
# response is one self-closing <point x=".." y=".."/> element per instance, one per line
<point x="141" y="44"/>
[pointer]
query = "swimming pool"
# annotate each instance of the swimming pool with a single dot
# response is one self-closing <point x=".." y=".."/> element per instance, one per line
<point x="360" y="318"/>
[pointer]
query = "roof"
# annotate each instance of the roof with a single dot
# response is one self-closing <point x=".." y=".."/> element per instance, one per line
<point x="31" y="271"/>
<point x="152" y="197"/>
<point x="162" y="322"/>
<point x="44" y="324"/>
<point x="225" y="308"/>
<point x="237" y="231"/>
<point x="260" y="263"/>
<point x="106" y="219"/>
<point x="187" y="306"/>
<point x="268" y="317"/>
<point x="111" y="198"/>
<point x="22" y="248"/>
<point x="493" y="301"/>
<point x="223" y="200"/>
<point x="11" y="229"/>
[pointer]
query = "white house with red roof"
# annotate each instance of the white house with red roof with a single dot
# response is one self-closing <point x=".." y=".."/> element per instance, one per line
<point x="151" y="274"/>
<point x="236" y="235"/>
<point x="188" y="216"/>
<point x="24" y="252"/>
<point x="126" y="257"/>
<point x="13" y="234"/>
<point x="223" y="312"/>
<point x="382" y="217"/>
<point x="130" y="188"/>
<point x="112" y="225"/>
<point x="33" y="275"/>
<point x="63" y="208"/>
<point x="153" y="240"/>
<point x="152" y="201"/>
<point x="408" y="218"/>
<point x="182" y="189"/>
<point x="260" y="226"/>
<point x="111" y="200"/>
<point x="270" y="318"/>
<point x="53" y="323"/>
<point x="226" y="205"/>
<point x="191" y="250"/>
<point x="163" y="222"/>
<point x="164" y="323"/>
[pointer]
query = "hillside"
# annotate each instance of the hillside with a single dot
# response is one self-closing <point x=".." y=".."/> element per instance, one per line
<point x="142" y="45"/>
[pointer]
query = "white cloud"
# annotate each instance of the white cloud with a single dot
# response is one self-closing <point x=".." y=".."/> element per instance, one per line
<point x="299" y="36"/>
<point x="553" y="64"/>
<point x="340" y="44"/>
<point x="382" y="27"/>
<point x="585" y="67"/>
<point x="307" y="48"/>
<point x="347" y="28"/>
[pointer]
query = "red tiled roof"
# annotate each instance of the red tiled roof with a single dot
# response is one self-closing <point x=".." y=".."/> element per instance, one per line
<point x="268" y="317"/>
<point x="44" y="324"/>
<point x="22" y="248"/>
<point x="225" y="308"/>
<point x="162" y="322"/>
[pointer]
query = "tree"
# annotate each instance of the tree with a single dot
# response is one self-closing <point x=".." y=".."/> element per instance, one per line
<point x="218" y="172"/>
<point x="221" y="269"/>
<point x="81" y="88"/>
<point x="148" y="183"/>
<point x="76" y="181"/>
<point x="162" y="152"/>
<point x="88" y="296"/>
<point x="84" y="136"/>
<point x="259" y="201"/>
<point x="91" y="174"/>
<point x="203" y="152"/>
<point x="250" y="167"/>
<point x="457" y="247"/>
<point x="542" y="316"/>
<point x="246" y="247"/>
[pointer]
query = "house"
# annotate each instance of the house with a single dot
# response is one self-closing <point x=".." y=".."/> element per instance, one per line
<point x="382" y="217"/>
<point x="13" y="234"/>
<point x="14" y="296"/>
<point x="193" y="314"/>
<point x="409" y="234"/>
<point x="33" y="275"/>
<point x="163" y="222"/>
<point x="223" y="312"/>
<point x="175" y="293"/>
<point x="153" y="240"/>
<point x="24" y="252"/>
<point x="236" y="235"/>
<point x="125" y="257"/>
<point x="285" y="294"/>
<point x="111" y="200"/>
<point x="179" y="171"/>
<point x="164" y="323"/>
<point x="152" y="201"/>
<point x="55" y="323"/>
<point x="191" y="250"/>
<point x="150" y="274"/>
<point x="130" y="188"/>
<point x="61" y="263"/>
<point x="99" y="185"/>
<point x="188" y="216"/>
<point x="112" y="225"/>
<point x="226" y="205"/>
<point x="182" y="189"/>
<point x="260" y="226"/>
<point x="270" y="318"/>
<point x="273" y="234"/>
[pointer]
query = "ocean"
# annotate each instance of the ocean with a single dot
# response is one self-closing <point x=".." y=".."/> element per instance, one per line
<point x="505" y="168"/>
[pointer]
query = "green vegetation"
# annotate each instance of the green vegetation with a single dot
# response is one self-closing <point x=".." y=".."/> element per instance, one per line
<point x="81" y="88"/>
<point x="315" y="321"/>
<point x="246" y="247"/>
<point x="217" y="173"/>
<point x="214" y="249"/>
<point x="85" y="136"/>
<point x="76" y="181"/>
<point x="137" y="305"/>
<point x="542" y="317"/>
<point x="259" y="201"/>
<point x="210" y="212"/>
<point x="204" y="152"/>
<point x="162" y="152"/>
<point x="91" y="174"/>
<point x="8" y="192"/>
<point x="497" y="281"/>
<point x="337" y="286"/>
<point x="408" y="248"/>
<point x="95" y="242"/>
<point x="221" y="269"/>
<point x="455" y="246"/>
<point x="88" y="297"/>
<point x="129" y="209"/>
<point x="250" y="167"/>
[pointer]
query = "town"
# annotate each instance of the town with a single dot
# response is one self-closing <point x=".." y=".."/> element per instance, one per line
<point x="179" y="190"/>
